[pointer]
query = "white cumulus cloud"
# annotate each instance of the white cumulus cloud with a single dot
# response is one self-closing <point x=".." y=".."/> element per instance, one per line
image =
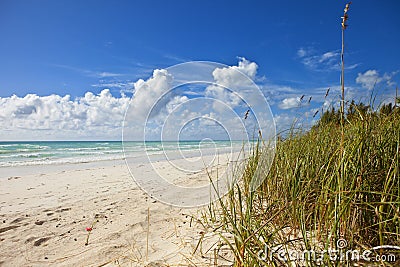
<point x="233" y="83"/>
<point x="150" y="92"/>
<point x="370" y="78"/>
<point x="291" y="102"/>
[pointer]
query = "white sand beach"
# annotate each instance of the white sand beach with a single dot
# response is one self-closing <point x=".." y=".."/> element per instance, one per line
<point x="45" y="212"/>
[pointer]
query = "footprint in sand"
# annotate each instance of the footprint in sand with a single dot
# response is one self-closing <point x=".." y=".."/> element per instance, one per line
<point x="4" y="229"/>
<point x="18" y="220"/>
<point x="63" y="209"/>
<point x="40" y="241"/>
<point x="13" y="178"/>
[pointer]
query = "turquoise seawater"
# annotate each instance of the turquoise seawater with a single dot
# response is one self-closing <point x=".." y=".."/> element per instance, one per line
<point x="60" y="152"/>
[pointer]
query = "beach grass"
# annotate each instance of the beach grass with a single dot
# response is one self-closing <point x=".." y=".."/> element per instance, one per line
<point x="320" y="194"/>
<point x="331" y="193"/>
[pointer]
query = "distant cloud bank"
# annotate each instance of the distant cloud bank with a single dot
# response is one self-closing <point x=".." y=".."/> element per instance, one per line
<point x="61" y="117"/>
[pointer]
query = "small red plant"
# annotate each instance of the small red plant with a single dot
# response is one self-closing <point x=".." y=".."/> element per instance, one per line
<point x="89" y="230"/>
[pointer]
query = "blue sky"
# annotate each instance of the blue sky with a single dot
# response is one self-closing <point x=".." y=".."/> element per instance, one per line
<point x="74" y="47"/>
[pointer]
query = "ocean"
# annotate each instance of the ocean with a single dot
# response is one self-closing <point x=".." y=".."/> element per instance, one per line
<point x="27" y="153"/>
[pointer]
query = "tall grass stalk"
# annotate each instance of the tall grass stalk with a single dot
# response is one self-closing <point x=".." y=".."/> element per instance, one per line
<point x="342" y="168"/>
